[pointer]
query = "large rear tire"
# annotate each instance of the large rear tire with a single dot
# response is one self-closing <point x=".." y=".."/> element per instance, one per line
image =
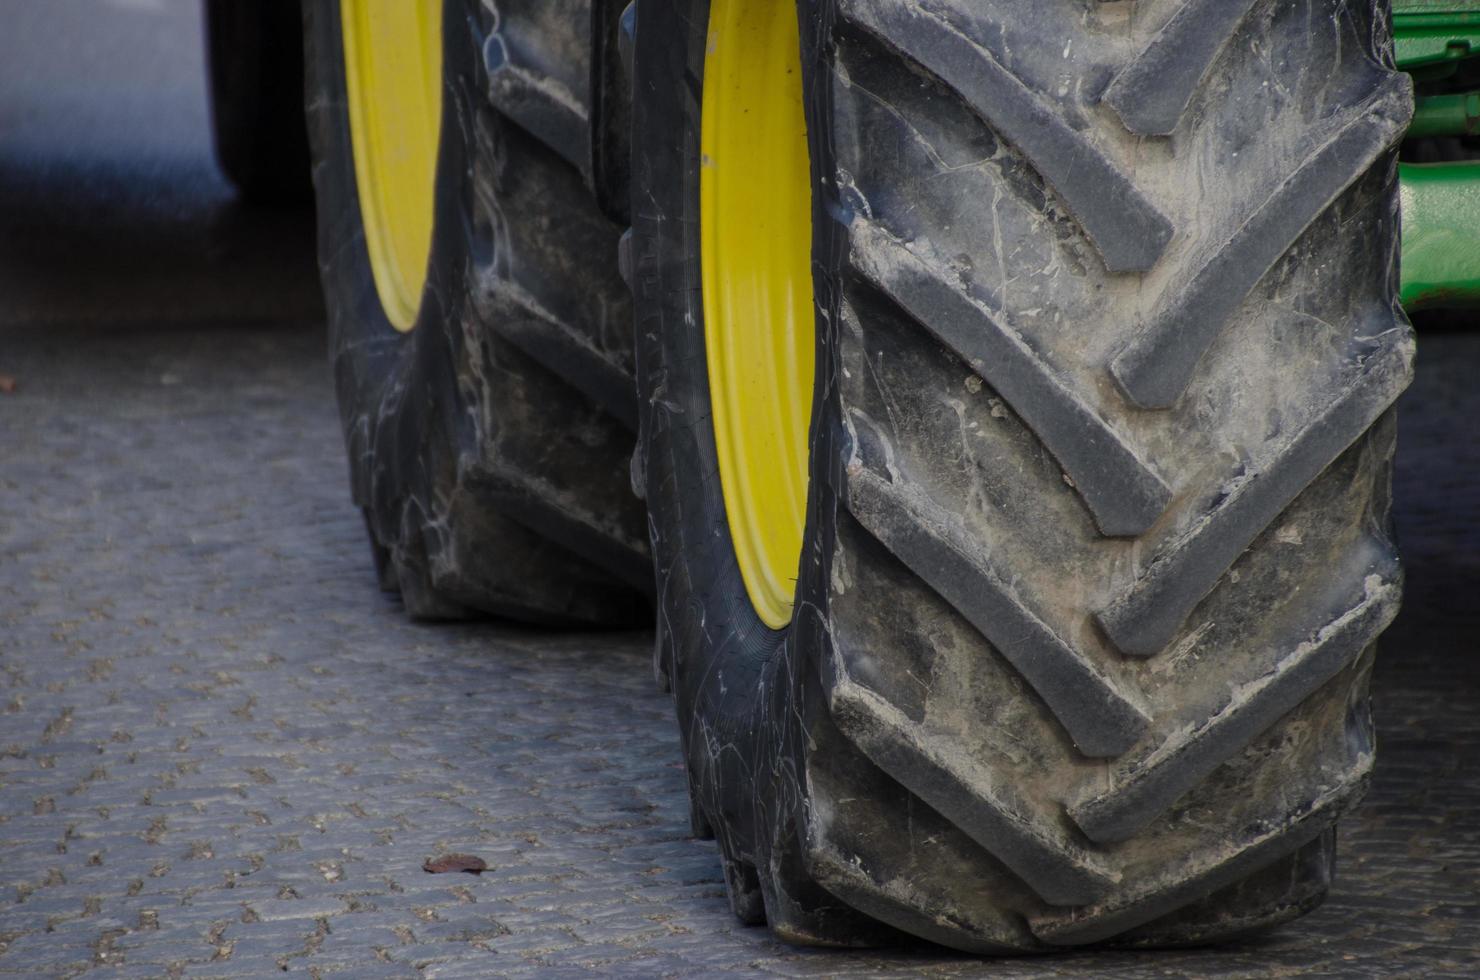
<point x="1097" y="543"/>
<point x="490" y="441"/>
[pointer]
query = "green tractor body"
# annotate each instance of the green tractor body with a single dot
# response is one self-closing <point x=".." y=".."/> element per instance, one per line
<point x="1436" y="42"/>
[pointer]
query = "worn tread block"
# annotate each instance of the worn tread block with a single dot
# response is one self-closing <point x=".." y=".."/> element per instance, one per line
<point x="1102" y="719"/>
<point x="1128" y="230"/>
<point x="1156" y="367"/>
<point x="1151" y="93"/>
<point x="1147" y="617"/>
<point x="1121" y="490"/>
<point x="1144" y="790"/>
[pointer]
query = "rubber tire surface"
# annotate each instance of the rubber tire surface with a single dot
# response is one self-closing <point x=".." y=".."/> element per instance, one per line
<point x="490" y="446"/>
<point x="254" y="55"/>
<point x="1097" y="546"/>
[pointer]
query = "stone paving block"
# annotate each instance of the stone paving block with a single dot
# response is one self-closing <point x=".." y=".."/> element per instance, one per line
<point x="43" y="955"/>
<point x="215" y="728"/>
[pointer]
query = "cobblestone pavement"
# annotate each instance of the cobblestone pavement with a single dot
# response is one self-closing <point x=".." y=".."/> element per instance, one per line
<point x="224" y="753"/>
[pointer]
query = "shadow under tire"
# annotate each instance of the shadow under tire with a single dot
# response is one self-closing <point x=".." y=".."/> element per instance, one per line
<point x="1097" y="544"/>
<point x="489" y="444"/>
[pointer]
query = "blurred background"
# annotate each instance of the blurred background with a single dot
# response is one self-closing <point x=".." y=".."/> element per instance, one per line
<point x="112" y="208"/>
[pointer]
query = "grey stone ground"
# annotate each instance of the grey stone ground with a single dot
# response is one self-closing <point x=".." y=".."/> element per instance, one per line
<point x="223" y="752"/>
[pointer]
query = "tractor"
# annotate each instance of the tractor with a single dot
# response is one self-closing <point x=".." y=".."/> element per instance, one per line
<point x="989" y="402"/>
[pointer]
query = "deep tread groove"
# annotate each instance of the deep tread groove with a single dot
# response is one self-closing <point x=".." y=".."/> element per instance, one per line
<point x="1102" y="719"/>
<point x="1144" y="620"/>
<point x="1057" y="868"/>
<point x="1156" y="367"/>
<point x="542" y="335"/>
<point x="1122" y="492"/>
<point x="1126" y="228"/>
<point x="1151" y="94"/>
<point x="1260" y="847"/>
<point x="1155" y="782"/>
<point x="526" y="499"/>
<point x="857" y="812"/>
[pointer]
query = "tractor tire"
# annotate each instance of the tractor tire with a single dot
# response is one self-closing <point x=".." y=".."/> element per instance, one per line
<point x="1097" y="544"/>
<point x="490" y="444"/>
<point x="254" y="61"/>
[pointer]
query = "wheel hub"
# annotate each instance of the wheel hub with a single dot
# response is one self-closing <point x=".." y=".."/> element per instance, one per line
<point x="759" y="328"/>
<point x="393" y="82"/>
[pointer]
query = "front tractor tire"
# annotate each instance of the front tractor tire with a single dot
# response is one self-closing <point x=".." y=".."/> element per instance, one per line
<point x="479" y="330"/>
<point x="1096" y="546"/>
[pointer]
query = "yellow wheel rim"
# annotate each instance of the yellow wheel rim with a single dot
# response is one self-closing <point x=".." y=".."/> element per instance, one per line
<point x="393" y="80"/>
<point x="756" y="238"/>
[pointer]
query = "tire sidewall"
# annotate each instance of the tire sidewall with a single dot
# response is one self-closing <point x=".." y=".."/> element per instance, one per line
<point x="391" y="385"/>
<point x="737" y="682"/>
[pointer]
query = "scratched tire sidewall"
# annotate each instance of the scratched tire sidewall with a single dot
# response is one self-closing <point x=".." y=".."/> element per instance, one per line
<point x="743" y="691"/>
<point x="397" y="391"/>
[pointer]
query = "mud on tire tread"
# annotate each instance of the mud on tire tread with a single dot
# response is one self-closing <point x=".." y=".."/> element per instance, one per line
<point x="490" y="447"/>
<point x="1098" y="545"/>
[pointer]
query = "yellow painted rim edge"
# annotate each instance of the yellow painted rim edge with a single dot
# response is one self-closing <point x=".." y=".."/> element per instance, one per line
<point x="393" y="87"/>
<point x="755" y="220"/>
